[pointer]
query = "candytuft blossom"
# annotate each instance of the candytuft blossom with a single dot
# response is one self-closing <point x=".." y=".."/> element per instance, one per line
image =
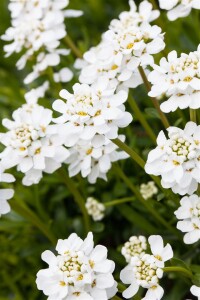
<point x="92" y="161"/>
<point x="148" y="190"/>
<point x="145" y="270"/>
<point x="37" y="27"/>
<point x="32" y="144"/>
<point x="91" y="110"/>
<point x="179" y="79"/>
<point x="130" y="41"/>
<point x="78" y="271"/>
<point x="189" y="214"/>
<point x="95" y="209"/>
<point x="178" y="8"/>
<point x="176" y="159"/>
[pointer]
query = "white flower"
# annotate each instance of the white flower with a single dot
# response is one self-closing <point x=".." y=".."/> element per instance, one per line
<point x="145" y="270"/>
<point x="5" y="194"/>
<point x="142" y="271"/>
<point x="189" y="213"/>
<point x="177" y="159"/>
<point x="138" y="42"/>
<point x="93" y="161"/>
<point x="178" y="8"/>
<point x="148" y="190"/>
<point x="133" y="17"/>
<point x="102" y="60"/>
<point x="78" y="271"/>
<point x="36" y="27"/>
<point x="161" y="253"/>
<point x="179" y="79"/>
<point x="129" y="42"/>
<point x="195" y="290"/>
<point x="91" y="110"/>
<point x="95" y="209"/>
<point x="32" y="144"/>
<point x="136" y="246"/>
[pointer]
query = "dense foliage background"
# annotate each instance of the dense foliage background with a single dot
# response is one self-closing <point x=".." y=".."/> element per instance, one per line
<point x="47" y="211"/>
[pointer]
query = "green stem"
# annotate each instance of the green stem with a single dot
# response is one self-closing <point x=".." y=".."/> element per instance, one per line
<point x="155" y="5"/>
<point x="26" y="213"/>
<point x="193" y="116"/>
<point x="145" y="203"/>
<point x="154" y="100"/>
<point x="136" y="158"/>
<point x="72" y="46"/>
<point x="186" y="272"/>
<point x="77" y="196"/>
<point x="119" y="201"/>
<point x="130" y="151"/>
<point x="116" y="298"/>
<point x="141" y="118"/>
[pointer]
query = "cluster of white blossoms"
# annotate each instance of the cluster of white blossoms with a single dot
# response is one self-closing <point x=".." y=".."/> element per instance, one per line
<point x="32" y="143"/>
<point x="94" y="161"/>
<point x="178" y="8"/>
<point x="36" y="30"/>
<point x="95" y="209"/>
<point x="177" y="158"/>
<point x="79" y="271"/>
<point x="136" y="246"/>
<point x="189" y="214"/>
<point x="179" y="79"/>
<point x="148" y="190"/>
<point x="145" y="270"/>
<point x="130" y="42"/>
<point x="91" y="113"/>
<point x="5" y="194"/>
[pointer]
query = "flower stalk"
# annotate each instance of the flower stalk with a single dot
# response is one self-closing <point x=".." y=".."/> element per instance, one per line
<point x="69" y="42"/>
<point x="193" y="116"/>
<point x="182" y="270"/>
<point x="77" y="196"/>
<point x="119" y="201"/>
<point x="145" y="203"/>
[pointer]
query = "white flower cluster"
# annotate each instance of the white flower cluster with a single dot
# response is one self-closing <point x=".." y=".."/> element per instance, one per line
<point x="177" y="158"/>
<point x="189" y="214"/>
<point x="145" y="270"/>
<point x="179" y="79"/>
<point x="37" y="28"/>
<point x="32" y="143"/>
<point x="5" y="194"/>
<point x="95" y="209"/>
<point x="178" y="8"/>
<point x="79" y="271"/>
<point x="148" y="190"/>
<point x="136" y="246"/>
<point x="195" y="290"/>
<point x="130" y="41"/>
<point x="94" y="161"/>
<point x="91" y="113"/>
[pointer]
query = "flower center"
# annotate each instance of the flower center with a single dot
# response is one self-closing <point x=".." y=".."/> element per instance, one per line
<point x="182" y="148"/>
<point x="22" y="136"/>
<point x="146" y="272"/>
<point x="71" y="265"/>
